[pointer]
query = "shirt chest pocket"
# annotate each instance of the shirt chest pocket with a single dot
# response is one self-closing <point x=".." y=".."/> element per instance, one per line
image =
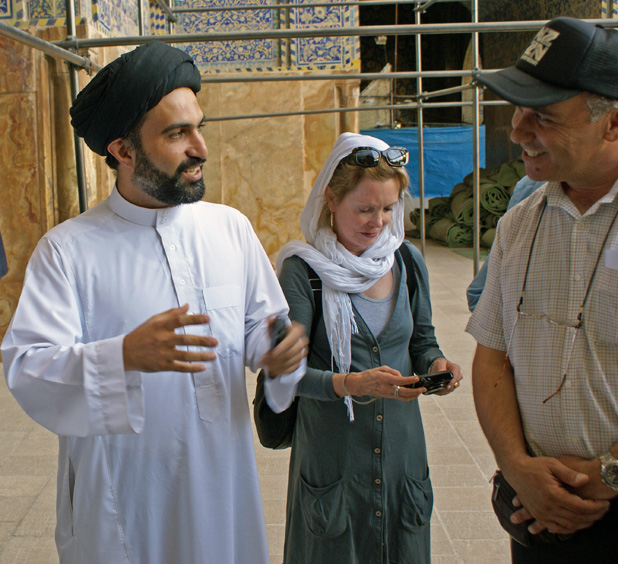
<point x="224" y="306"/>
<point x="601" y="310"/>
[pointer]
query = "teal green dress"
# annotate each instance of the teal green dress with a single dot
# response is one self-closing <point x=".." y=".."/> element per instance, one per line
<point x="359" y="492"/>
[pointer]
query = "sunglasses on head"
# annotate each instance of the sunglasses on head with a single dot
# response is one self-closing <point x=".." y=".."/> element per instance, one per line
<point x="368" y="156"/>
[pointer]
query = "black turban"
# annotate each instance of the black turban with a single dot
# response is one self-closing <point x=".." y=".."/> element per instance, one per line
<point x="123" y="91"/>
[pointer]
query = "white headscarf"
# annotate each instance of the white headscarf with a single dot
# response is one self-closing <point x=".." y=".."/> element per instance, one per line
<point x="342" y="272"/>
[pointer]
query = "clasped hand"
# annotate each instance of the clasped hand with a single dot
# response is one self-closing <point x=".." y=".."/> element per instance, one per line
<point x="550" y="494"/>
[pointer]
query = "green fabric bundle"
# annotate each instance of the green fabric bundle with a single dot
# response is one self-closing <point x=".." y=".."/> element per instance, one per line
<point x="462" y="207"/>
<point x="494" y="197"/>
<point x="439" y="207"/>
<point x="489" y="220"/>
<point x="487" y="238"/>
<point x="451" y="234"/>
<point x="451" y="220"/>
<point x="461" y="187"/>
<point x="507" y="176"/>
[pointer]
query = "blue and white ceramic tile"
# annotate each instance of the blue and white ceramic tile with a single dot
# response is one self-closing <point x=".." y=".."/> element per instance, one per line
<point x="158" y="19"/>
<point x="119" y="17"/>
<point x="267" y="54"/>
<point x="6" y="9"/>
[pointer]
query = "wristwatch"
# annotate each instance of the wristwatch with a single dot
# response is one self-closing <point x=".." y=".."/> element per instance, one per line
<point x="609" y="470"/>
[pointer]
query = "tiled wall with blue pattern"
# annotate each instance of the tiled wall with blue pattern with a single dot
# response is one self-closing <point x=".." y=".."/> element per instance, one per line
<point x="269" y="54"/>
<point x="120" y="18"/>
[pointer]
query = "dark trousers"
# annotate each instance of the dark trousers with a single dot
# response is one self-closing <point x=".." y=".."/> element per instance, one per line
<point x="596" y="545"/>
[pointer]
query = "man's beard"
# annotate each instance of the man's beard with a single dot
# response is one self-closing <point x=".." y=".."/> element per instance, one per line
<point x="169" y="190"/>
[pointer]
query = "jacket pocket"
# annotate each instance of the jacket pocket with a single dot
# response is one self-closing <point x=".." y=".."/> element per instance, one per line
<point x="417" y="502"/>
<point x="323" y="508"/>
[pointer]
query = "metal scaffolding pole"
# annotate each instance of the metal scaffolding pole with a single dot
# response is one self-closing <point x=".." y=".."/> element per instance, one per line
<point x="411" y="106"/>
<point x="421" y="145"/>
<point x="364" y="31"/>
<point x="476" y="147"/>
<point x="77" y="142"/>
<point x="274" y="77"/>
<point x="46" y="47"/>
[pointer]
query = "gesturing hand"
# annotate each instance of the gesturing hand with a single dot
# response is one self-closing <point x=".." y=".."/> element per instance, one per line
<point x="154" y="345"/>
<point x="286" y="356"/>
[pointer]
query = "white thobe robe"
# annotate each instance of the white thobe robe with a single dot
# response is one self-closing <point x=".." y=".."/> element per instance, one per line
<point x="154" y="468"/>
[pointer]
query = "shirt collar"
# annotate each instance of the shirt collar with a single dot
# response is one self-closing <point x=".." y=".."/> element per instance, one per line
<point x="556" y="197"/>
<point x="139" y="215"/>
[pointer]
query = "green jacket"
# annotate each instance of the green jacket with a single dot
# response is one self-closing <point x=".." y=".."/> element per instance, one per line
<point x="359" y="492"/>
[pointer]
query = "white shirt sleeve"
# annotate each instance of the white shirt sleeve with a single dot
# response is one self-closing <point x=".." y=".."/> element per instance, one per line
<point x="264" y="299"/>
<point x="68" y="385"/>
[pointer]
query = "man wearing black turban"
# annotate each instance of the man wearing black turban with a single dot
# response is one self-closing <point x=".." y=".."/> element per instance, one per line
<point x="133" y="330"/>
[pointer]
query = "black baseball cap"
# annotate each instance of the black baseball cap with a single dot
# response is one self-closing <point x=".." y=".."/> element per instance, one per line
<point x="568" y="56"/>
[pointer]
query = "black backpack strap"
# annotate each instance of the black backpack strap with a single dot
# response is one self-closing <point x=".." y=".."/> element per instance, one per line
<point x="276" y="430"/>
<point x="316" y="287"/>
<point x="410" y="266"/>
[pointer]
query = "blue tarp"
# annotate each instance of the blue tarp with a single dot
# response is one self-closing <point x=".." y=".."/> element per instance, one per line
<point x="448" y="155"/>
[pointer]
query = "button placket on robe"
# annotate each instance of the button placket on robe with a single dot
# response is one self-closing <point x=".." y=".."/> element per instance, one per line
<point x="205" y="382"/>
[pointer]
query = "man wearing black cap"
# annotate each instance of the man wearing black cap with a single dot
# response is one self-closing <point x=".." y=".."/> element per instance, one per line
<point x="132" y="333"/>
<point x="545" y="373"/>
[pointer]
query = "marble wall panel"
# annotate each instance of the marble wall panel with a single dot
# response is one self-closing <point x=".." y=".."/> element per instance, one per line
<point x="26" y="163"/>
<point x="24" y="215"/>
<point x="17" y="63"/>
<point x="210" y="102"/>
<point x="262" y="161"/>
<point x="321" y="130"/>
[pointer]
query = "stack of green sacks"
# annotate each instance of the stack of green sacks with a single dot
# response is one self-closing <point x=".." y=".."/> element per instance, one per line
<point x="451" y="220"/>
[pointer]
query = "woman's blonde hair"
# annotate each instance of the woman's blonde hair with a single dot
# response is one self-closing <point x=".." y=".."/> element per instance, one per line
<point x="348" y="176"/>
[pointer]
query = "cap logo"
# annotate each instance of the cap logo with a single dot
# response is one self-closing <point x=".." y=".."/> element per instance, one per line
<point x="540" y="45"/>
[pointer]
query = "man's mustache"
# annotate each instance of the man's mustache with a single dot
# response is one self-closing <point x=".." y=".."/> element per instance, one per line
<point x="191" y="162"/>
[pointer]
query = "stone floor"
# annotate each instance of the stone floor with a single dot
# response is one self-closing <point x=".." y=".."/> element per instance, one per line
<point x="464" y="530"/>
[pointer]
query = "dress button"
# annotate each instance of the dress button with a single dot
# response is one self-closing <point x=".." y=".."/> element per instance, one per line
<point x="182" y="282"/>
<point x="375" y="349"/>
<point x="377" y="451"/>
<point x="378" y="514"/>
<point x="379" y="418"/>
<point x="378" y="481"/>
<point x="172" y="247"/>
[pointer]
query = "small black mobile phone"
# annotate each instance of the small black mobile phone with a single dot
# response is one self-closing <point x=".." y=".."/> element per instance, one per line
<point x="434" y="382"/>
<point x="278" y="331"/>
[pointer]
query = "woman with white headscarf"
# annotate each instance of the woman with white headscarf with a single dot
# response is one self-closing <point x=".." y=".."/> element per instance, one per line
<point x="359" y="488"/>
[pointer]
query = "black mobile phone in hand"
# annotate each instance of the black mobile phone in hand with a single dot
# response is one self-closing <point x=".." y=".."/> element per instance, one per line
<point x="434" y="382"/>
<point x="278" y="331"/>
